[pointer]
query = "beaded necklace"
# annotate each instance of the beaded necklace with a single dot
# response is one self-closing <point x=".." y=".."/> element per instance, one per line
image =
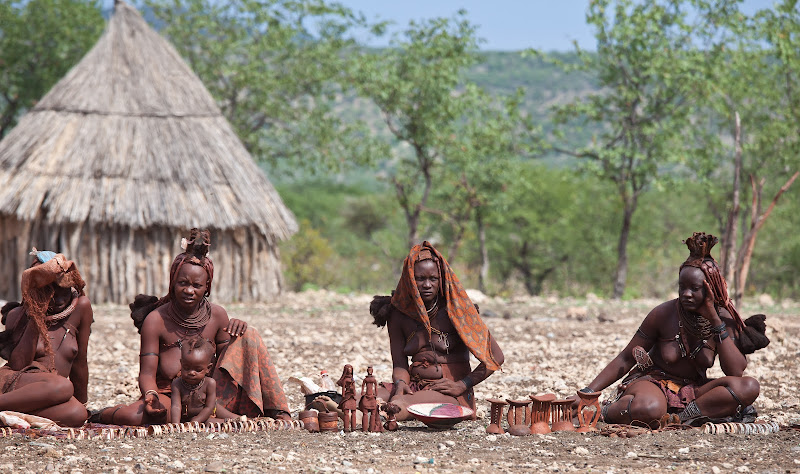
<point x="695" y="325"/>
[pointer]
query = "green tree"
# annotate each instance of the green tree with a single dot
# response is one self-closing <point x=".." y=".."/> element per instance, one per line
<point x="647" y="64"/>
<point x="273" y="66"/>
<point x="452" y="135"/>
<point x="40" y="40"/>
<point x="489" y="140"/>
<point x="748" y="146"/>
<point x="416" y="84"/>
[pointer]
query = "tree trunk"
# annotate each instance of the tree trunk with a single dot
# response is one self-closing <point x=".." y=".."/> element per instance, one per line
<point x="629" y="206"/>
<point x="483" y="276"/>
<point x="728" y="251"/>
<point x="749" y="240"/>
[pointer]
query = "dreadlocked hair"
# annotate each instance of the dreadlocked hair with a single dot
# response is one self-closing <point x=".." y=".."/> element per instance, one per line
<point x="198" y="242"/>
<point x="752" y="332"/>
<point x="380" y="308"/>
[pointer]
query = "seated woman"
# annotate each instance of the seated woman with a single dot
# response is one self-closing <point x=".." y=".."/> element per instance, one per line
<point x="431" y="320"/>
<point x="677" y="343"/>
<point x="247" y="382"/>
<point x="46" y="343"/>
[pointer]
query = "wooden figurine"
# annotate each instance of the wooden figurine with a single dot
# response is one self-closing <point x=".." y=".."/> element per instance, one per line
<point x="348" y="405"/>
<point x="368" y="404"/>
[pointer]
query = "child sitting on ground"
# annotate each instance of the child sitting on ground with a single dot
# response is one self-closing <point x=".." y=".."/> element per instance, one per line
<point x="194" y="394"/>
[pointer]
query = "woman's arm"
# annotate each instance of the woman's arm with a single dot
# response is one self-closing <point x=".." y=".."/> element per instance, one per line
<point x="397" y="342"/>
<point x="148" y="365"/>
<point x="23" y="353"/>
<point x="79" y="373"/>
<point x="211" y="401"/>
<point x="731" y="360"/>
<point x="222" y="337"/>
<point x="645" y="336"/>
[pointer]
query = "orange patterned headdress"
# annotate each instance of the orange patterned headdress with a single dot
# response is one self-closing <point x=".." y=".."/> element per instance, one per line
<point x="460" y="309"/>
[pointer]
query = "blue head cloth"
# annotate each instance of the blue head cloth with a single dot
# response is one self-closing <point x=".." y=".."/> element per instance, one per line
<point x="43" y="255"/>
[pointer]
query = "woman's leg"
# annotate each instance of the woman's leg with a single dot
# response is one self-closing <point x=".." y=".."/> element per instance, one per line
<point x="642" y="402"/>
<point x="723" y="396"/>
<point x="36" y="391"/>
<point x="71" y="413"/>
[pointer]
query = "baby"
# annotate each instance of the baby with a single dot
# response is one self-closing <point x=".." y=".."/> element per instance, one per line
<point x="194" y="394"/>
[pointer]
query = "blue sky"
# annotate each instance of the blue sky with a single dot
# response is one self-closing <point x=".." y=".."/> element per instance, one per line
<point x="506" y="25"/>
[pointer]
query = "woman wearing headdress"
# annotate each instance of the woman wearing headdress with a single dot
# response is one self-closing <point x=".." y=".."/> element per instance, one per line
<point x="247" y="382"/>
<point x="432" y="322"/>
<point x="667" y="358"/>
<point x="46" y="343"/>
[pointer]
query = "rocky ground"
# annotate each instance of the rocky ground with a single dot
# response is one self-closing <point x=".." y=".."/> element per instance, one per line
<point x="550" y="345"/>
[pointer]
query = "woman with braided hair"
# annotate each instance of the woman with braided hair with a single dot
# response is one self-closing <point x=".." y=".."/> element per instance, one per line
<point x="46" y="343"/>
<point x="247" y="382"/>
<point x="432" y="322"/>
<point x="668" y="356"/>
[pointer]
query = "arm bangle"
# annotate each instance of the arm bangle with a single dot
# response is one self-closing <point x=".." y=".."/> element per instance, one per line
<point x="154" y="392"/>
<point x="722" y="336"/>
<point x="586" y="389"/>
<point x="468" y="382"/>
<point x="718" y="329"/>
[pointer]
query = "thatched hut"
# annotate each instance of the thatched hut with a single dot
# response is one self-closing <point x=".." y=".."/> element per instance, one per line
<point x="124" y="155"/>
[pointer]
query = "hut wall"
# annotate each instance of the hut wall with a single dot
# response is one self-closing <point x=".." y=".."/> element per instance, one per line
<point x="119" y="262"/>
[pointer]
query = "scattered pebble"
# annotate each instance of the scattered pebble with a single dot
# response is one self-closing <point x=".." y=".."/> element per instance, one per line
<point x="215" y="466"/>
<point x="631" y="455"/>
<point x="580" y="451"/>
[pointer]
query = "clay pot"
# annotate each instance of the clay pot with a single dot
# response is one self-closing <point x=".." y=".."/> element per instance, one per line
<point x="310" y="420"/>
<point x="328" y="421"/>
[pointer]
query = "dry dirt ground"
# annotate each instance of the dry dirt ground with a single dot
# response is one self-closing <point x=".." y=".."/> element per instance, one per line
<point x="550" y="345"/>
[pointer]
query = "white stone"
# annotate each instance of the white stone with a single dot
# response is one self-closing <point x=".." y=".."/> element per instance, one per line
<point x="631" y="455"/>
<point x="684" y="450"/>
<point x="580" y="451"/>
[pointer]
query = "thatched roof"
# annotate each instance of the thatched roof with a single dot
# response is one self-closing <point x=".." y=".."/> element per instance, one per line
<point x="131" y="136"/>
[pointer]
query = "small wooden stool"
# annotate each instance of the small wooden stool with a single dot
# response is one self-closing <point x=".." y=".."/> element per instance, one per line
<point x="519" y="417"/>
<point x="540" y="413"/>
<point x="496" y="416"/>
<point x="562" y="415"/>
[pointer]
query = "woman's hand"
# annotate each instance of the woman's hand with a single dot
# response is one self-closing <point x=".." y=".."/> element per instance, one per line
<point x="400" y="388"/>
<point x="236" y="327"/>
<point x="153" y="406"/>
<point x="449" y="387"/>
<point x="708" y="310"/>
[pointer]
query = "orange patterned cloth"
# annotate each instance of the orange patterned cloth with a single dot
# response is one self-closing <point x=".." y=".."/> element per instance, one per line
<point x="460" y="309"/>
<point x="247" y="382"/>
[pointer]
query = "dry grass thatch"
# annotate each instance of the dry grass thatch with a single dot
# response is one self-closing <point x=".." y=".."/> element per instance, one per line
<point x="124" y="155"/>
<point x="130" y="136"/>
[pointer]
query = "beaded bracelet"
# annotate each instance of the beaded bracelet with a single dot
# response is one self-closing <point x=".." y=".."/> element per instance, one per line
<point x="586" y="389"/>
<point x="718" y="329"/>
<point x="468" y="382"/>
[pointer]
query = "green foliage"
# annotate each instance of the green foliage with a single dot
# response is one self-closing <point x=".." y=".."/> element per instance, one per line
<point x="40" y="40"/>
<point x="273" y="66"/>
<point x="308" y="259"/>
<point x="646" y="64"/>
